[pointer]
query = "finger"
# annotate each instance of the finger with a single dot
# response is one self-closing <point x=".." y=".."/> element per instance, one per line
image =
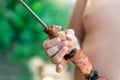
<point x="52" y="51"/>
<point x="101" y="79"/>
<point x="51" y="43"/>
<point x="70" y="34"/>
<point x="70" y="31"/>
<point x="59" y="56"/>
<point x="61" y="65"/>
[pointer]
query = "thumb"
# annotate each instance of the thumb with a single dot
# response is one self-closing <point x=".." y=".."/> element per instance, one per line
<point x="70" y="34"/>
<point x="61" y="65"/>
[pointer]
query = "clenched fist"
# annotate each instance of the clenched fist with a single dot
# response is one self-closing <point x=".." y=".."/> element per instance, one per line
<point x="56" y="48"/>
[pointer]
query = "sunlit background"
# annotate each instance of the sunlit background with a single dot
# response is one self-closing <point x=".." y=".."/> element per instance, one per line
<point x="22" y="56"/>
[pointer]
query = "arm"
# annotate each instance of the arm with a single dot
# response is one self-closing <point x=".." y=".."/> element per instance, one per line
<point x="77" y="24"/>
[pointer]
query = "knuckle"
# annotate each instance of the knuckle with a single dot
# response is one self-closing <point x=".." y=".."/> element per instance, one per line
<point x="62" y="52"/>
<point x="59" y="46"/>
<point x="55" y="41"/>
<point x="63" y="43"/>
<point x="59" y="56"/>
<point x="56" y="60"/>
<point x="51" y="42"/>
<point x="64" y="49"/>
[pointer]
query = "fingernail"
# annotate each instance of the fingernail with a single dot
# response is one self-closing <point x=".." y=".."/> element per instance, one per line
<point x="69" y="36"/>
<point x="60" y="67"/>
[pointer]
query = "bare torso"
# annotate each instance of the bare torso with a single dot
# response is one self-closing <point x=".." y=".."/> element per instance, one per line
<point x="102" y="39"/>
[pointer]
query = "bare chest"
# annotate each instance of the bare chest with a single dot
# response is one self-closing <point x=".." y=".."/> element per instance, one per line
<point x="102" y="39"/>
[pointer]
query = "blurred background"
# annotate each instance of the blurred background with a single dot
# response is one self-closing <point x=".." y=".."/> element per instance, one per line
<point x="22" y="56"/>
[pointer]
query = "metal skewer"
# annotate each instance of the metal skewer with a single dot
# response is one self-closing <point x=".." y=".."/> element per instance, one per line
<point x="34" y="15"/>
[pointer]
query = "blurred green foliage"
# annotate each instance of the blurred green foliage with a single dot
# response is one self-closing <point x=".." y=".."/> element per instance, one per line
<point x="21" y="36"/>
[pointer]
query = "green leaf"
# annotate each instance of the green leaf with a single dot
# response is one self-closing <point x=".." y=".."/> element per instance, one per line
<point x="6" y="35"/>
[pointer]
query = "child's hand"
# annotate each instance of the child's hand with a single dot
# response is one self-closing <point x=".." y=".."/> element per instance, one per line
<point x="56" y="49"/>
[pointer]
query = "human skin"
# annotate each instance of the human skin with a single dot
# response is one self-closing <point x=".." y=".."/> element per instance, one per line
<point x="97" y="27"/>
<point x="102" y="37"/>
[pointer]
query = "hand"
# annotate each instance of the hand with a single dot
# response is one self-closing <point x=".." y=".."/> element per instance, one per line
<point x="57" y="49"/>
